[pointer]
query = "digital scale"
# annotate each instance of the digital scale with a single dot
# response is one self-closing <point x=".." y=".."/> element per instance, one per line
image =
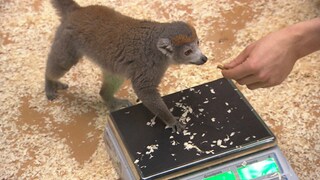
<point x="224" y="139"/>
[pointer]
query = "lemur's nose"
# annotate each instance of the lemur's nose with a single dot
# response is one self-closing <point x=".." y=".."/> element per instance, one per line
<point x="204" y="59"/>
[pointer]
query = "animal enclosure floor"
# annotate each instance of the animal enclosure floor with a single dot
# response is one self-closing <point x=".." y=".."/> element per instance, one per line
<point x="64" y="138"/>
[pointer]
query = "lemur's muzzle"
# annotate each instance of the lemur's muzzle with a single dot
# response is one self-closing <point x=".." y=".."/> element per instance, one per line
<point x="204" y="59"/>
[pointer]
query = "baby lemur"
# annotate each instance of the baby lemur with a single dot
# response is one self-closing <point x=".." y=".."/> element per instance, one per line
<point x="123" y="47"/>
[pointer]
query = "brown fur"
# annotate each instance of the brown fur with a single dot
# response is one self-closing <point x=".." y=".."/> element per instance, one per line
<point x="181" y="39"/>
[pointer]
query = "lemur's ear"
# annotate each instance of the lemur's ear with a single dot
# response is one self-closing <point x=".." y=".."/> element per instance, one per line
<point x="165" y="46"/>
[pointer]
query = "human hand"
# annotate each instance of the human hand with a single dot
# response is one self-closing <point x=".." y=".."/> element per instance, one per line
<point x="264" y="63"/>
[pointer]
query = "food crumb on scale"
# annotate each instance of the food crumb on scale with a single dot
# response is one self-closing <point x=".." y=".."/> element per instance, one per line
<point x="152" y="122"/>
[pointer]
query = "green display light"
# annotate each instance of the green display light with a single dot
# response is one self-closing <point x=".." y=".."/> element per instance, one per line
<point x="252" y="171"/>
<point x="258" y="169"/>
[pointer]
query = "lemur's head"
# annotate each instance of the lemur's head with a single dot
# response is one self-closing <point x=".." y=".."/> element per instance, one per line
<point x="181" y="44"/>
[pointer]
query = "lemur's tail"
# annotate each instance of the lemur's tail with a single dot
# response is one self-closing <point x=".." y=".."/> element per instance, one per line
<point x="64" y="7"/>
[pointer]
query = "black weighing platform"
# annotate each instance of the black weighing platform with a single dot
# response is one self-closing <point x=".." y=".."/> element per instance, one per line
<point x="221" y="126"/>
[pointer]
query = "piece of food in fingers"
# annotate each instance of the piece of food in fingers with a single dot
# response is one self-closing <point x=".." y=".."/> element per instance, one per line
<point x="221" y="66"/>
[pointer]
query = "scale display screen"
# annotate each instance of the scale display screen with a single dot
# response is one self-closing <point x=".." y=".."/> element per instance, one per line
<point x="258" y="169"/>
<point x="251" y="171"/>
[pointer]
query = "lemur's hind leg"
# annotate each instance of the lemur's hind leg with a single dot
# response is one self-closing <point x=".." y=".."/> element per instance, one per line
<point x="61" y="58"/>
<point x="111" y="84"/>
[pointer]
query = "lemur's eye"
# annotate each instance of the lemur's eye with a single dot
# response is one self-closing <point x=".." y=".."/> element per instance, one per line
<point x="188" y="52"/>
<point x="198" y="42"/>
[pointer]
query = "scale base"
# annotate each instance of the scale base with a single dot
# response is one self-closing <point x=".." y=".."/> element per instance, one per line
<point x="221" y="126"/>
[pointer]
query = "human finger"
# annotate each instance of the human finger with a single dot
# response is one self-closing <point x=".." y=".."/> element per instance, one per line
<point x="251" y="79"/>
<point x="238" y="72"/>
<point x="257" y="85"/>
<point x="240" y="58"/>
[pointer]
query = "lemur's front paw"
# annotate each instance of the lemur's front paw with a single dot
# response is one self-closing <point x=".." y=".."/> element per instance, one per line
<point x="176" y="127"/>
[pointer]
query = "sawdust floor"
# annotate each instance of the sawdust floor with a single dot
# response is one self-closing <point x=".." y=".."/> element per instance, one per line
<point x="63" y="139"/>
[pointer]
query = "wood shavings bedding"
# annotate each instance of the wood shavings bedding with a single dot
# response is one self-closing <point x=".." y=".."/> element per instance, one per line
<point x="27" y="29"/>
